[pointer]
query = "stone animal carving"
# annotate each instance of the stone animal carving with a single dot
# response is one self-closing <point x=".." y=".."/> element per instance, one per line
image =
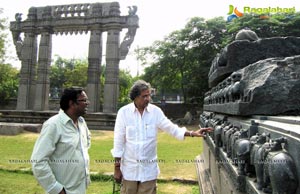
<point x="236" y="91"/>
<point x="228" y="135"/>
<point x="243" y="156"/>
<point x="219" y="93"/>
<point x="218" y="132"/>
<point x="279" y="169"/>
<point x="275" y="168"/>
<point x="233" y="139"/>
<point x="227" y="89"/>
<point x="132" y="10"/>
<point x="207" y="98"/>
<point x="17" y="40"/>
<point x="223" y="135"/>
<point x="242" y="153"/>
<point x="256" y="142"/>
<point x="18" y="17"/>
<point x="127" y="41"/>
<point x="214" y="123"/>
<point x="259" y="159"/>
<point x="282" y="173"/>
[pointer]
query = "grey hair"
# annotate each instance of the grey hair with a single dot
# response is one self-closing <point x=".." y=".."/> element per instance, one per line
<point x="137" y="88"/>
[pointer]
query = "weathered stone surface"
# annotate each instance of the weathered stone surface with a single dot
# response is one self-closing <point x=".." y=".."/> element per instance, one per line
<point x="267" y="87"/>
<point x="16" y="128"/>
<point x="71" y="19"/>
<point x="241" y="53"/>
<point x="254" y="107"/>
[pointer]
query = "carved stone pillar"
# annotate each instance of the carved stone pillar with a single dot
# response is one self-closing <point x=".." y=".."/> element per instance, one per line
<point x="26" y="91"/>
<point x="111" y="87"/>
<point x="94" y="70"/>
<point x="41" y="101"/>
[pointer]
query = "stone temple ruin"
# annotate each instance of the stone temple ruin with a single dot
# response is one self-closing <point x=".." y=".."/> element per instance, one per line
<point x="95" y="18"/>
<point x="254" y="107"/>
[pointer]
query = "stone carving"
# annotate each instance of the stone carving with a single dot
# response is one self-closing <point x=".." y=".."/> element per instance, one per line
<point x="132" y="10"/>
<point x="72" y="19"/>
<point x="282" y="172"/>
<point x="255" y="155"/>
<point x="223" y="136"/>
<point x="255" y="83"/>
<point x="275" y="169"/>
<point x="256" y="142"/>
<point x="241" y="53"/>
<point x="243" y="159"/>
<point x="228" y="137"/>
<point x="236" y="92"/>
<point x="129" y="37"/>
<point x="235" y="138"/>
<point x="126" y="43"/>
<point x="264" y="96"/>
<point x="17" y="40"/>
<point x="218" y="132"/>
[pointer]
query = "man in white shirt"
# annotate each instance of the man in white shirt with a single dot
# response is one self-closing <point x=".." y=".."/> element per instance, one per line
<point x="60" y="154"/>
<point x="135" y="141"/>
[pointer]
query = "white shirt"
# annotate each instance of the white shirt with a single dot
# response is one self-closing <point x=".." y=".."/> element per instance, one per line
<point x="135" y="140"/>
<point x="60" y="155"/>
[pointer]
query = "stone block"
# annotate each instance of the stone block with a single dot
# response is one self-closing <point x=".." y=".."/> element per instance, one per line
<point x="267" y="87"/>
<point x="242" y="53"/>
<point x="10" y="129"/>
<point x="17" y="128"/>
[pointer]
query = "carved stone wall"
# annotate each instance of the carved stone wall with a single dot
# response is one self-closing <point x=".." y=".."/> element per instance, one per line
<point x="254" y="107"/>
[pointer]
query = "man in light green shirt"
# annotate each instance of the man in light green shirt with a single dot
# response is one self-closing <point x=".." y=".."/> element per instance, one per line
<point x="60" y="155"/>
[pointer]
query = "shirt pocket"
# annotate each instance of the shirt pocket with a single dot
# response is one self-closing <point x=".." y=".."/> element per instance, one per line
<point x="130" y="132"/>
<point x="151" y="131"/>
<point x="69" y="141"/>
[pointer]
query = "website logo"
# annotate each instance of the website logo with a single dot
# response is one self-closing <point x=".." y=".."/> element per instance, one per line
<point x="233" y="13"/>
<point x="262" y="12"/>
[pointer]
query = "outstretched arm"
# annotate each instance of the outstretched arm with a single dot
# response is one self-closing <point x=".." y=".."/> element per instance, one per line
<point x="199" y="133"/>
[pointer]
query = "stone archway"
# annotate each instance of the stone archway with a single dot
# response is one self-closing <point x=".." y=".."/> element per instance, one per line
<point x="95" y="18"/>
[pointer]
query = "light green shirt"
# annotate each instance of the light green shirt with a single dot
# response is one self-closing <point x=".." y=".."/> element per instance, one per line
<point x="60" y="155"/>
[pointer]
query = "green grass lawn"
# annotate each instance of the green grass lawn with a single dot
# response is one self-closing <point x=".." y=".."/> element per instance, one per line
<point x="176" y="161"/>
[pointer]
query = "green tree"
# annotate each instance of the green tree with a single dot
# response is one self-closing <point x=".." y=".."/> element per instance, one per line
<point x="9" y="82"/>
<point x="281" y="24"/>
<point x="8" y="74"/>
<point x="182" y="60"/>
<point x="68" y="72"/>
<point x="57" y="74"/>
<point x="73" y="72"/>
<point x="125" y="82"/>
<point x="76" y="74"/>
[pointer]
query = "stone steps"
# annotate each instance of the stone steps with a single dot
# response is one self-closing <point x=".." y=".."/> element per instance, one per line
<point x="95" y="121"/>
